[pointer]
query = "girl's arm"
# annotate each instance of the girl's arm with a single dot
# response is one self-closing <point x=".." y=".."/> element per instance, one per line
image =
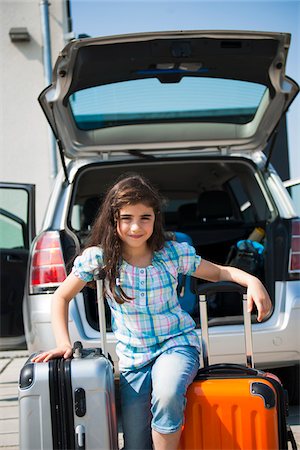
<point x="60" y="307"/>
<point x="256" y="292"/>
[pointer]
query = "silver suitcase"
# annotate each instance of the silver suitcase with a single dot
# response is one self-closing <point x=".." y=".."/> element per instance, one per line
<point x="70" y="404"/>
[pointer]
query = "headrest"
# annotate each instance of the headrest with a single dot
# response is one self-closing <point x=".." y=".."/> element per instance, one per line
<point x="188" y="211"/>
<point x="89" y="211"/>
<point x="215" y="205"/>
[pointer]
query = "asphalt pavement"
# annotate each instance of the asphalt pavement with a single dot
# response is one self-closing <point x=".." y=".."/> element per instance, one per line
<point x="10" y="365"/>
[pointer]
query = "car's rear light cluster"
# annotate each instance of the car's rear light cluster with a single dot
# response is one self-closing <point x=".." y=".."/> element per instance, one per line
<point x="294" y="263"/>
<point x="47" y="269"/>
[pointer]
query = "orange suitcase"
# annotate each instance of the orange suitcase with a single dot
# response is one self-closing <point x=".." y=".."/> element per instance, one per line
<point x="230" y="406"/>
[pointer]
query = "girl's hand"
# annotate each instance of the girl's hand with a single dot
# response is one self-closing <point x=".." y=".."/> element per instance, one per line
<point x="58" y="352"/>
<point x="257" y="294"/>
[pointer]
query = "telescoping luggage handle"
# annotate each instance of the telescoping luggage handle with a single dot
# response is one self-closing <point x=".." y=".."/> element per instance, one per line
<point x="203" y="290"/>
<point x="99" y="277"/>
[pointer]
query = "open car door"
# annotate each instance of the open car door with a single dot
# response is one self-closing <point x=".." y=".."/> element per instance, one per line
<point x="17" y="229"/>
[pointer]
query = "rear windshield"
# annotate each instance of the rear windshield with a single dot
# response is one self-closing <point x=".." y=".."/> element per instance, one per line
<point x="147" y="100"/>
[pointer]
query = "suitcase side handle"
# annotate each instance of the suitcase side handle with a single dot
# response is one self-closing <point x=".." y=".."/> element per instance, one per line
<point x="219" y="286"/>
<point x="99" y="277"/>
<point x="230" y="369"/>
<point x="223" y="286"/>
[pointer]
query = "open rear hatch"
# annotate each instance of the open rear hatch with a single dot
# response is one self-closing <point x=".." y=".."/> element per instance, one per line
<point x="155" y="92"/>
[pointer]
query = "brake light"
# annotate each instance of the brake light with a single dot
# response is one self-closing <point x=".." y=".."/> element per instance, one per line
<point x="294" y="263"/>
<point x="47" y="269"/>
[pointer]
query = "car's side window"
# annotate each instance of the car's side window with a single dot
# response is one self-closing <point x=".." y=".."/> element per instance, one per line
<point x="243" y="200"/>
<point x="75" y="217"/>
<point x="293" y="187"/>
<point x="13" y="218"/>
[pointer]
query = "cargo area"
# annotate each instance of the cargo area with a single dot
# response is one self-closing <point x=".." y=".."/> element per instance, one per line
<point x="212" y="203"/>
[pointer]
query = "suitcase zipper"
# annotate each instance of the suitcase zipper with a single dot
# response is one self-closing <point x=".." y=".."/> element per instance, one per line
<point x="61" y="401"/>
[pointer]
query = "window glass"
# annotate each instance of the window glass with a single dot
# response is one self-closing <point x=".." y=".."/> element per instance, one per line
<point x="13" y="218"/>
<point x="149" y="100"/>
<point x="295" y="194"/>
<point x="11" y="233"/>
<point x="76" y="217"/>
<point x="242" y="199"/>
<point x="176" y="207"/>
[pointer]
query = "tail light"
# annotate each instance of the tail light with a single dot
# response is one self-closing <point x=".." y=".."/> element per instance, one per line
<point x="47" y="269"/>
<point x="294" y="263"/>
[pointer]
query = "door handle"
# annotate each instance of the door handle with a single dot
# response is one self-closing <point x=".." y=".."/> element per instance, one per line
<point x="13" y="259"/>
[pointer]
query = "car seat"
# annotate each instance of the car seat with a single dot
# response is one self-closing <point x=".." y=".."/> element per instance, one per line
<point x="88" y="215"/>
<point x="187" y="215"/>
<point x="89" y="211"/>
<point x="214" y="206"/>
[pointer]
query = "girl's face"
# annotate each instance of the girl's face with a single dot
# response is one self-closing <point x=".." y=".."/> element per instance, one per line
<point x="135" y="225"/>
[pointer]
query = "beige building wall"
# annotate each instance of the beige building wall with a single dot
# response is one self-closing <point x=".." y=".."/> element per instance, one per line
<point x="24" y="135"/>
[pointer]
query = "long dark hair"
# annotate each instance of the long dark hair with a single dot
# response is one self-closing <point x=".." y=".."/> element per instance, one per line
<point x="129" y="190"/>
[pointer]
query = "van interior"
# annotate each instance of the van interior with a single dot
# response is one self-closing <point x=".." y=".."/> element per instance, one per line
<point x="214" y="202"/>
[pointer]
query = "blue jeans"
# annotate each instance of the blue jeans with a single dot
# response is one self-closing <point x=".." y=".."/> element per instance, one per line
<point x="155" y="396"/>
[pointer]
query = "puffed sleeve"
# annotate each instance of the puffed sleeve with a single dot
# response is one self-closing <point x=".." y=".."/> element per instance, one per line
<point x="186" y="256"/>
<point x="85" y="264"/>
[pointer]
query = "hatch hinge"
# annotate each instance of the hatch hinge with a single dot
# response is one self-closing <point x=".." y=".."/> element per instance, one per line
<point x="105" y="156"/>
<point x="224" y="150"/>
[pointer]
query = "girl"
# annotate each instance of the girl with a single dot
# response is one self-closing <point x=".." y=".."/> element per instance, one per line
<point x="157" y="345"/>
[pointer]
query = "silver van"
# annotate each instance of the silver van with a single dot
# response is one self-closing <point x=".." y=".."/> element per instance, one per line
<point x="194" y="112"/>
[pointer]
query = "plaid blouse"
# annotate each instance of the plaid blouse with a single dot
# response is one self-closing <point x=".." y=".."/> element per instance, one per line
<point x="153" y="321"/>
